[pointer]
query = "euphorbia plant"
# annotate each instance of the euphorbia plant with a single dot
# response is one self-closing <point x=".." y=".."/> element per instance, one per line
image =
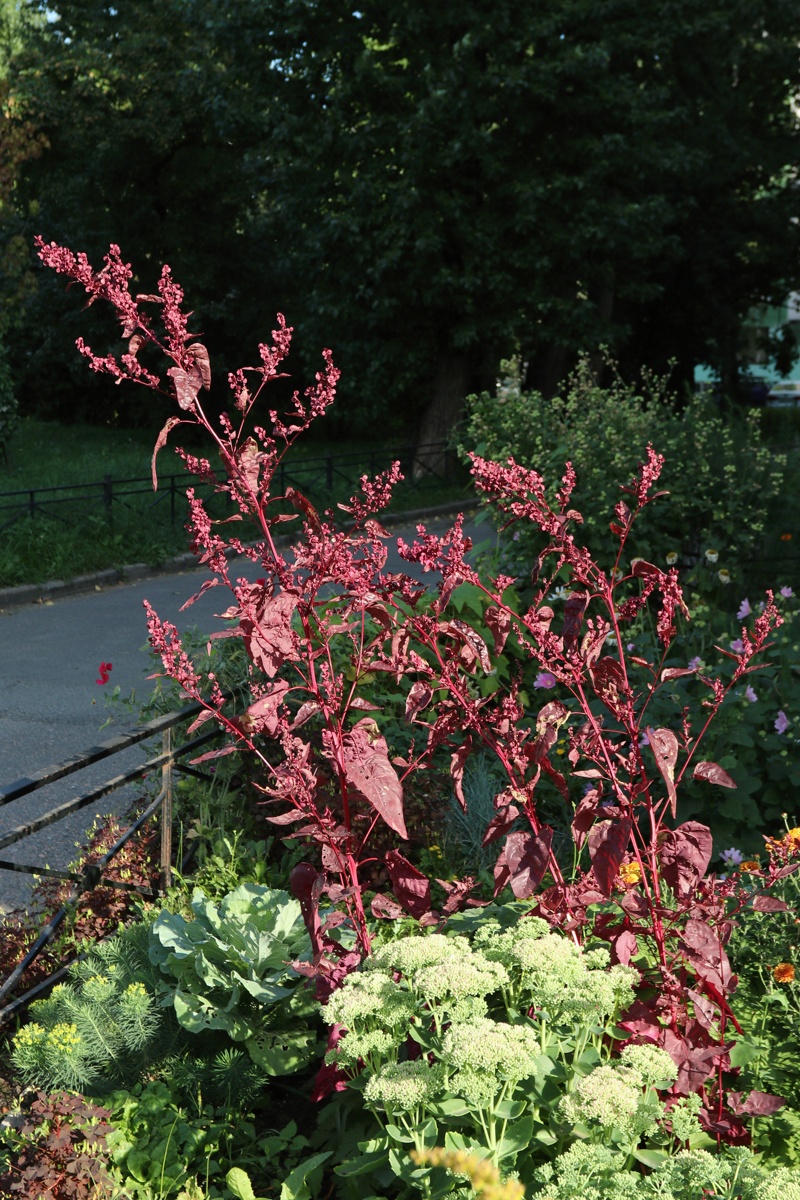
<point x="324" y="760"/>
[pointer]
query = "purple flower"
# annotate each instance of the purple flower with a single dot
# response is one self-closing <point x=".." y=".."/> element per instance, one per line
<point x="694" y="664"/>
<point x="737" y="646"/>
<point x="786" y="592"/>
<point x="750" y="694"/>
<point x="732" y="857"/>
<point x="631" y="647"/>
<point x="644" y="740"/>
<point x="545" y="680"/>
<point x="781" y="722"/>
<point x="744" y="610"/>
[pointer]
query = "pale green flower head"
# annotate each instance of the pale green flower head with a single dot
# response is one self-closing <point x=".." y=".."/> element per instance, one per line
<point x="683" y="1119"/>
<point x="651" y="1064"/>
<point x="610" y="1099"/>
<point x="404" y="1086"/>
<point x="371" y="1045"/>
<point x="783" y="1184"/>
<point x="459" y="977"/>
<point x="691" y="1173"/>
<point x="412" y="953"/>
<point x="370" y="997"/>
<point x="492" y="1047"/>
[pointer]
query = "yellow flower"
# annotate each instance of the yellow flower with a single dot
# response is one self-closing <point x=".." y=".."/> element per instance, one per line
<point x="792" y="839"/>
<point x="783" y="973"/>
<point x="751" y="864"/>
<point x="712" y="555"/>
<point x="630" y="873"/>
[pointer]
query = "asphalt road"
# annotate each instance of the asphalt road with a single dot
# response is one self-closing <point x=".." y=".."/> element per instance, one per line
<point x="52" y="708"/>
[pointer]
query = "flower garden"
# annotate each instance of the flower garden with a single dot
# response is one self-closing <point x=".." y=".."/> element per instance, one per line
<point x="496" y="878"/>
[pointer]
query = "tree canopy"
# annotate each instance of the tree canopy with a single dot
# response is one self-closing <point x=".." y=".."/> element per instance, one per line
<point x="425" y="188"/>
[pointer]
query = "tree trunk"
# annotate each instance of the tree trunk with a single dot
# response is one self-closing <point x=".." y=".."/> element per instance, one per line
<point x="450" y="386"/>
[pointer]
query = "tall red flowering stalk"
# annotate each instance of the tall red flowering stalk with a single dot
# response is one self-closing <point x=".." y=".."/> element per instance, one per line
<point x="325" y="763"/>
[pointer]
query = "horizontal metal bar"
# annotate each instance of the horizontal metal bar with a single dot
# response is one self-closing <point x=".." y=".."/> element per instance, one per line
<point x="70" y="806"/>
<point x="62" y="972"/>
<point x="23" y="787"/>
<point x="71" y="876"/>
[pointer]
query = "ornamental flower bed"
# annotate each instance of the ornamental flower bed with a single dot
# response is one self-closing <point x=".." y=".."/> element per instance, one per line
<point x="569" y="1021"/>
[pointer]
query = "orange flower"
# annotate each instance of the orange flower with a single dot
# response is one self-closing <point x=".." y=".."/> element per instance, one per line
<point x="751" y="864"/>
<point x="786" y="537"/>
<point x="630" y="873"/>
<point x="792" y="839"/>
<point x="783" y="973"/>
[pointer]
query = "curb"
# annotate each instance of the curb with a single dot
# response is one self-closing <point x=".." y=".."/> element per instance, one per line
<point x="58" y="589"/>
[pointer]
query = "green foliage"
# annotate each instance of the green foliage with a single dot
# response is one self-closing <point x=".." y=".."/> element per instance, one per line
<point x="231" y="966"/>
<point x="763" y="952"/>
<point x="718" y="474"/>
<point x="104" y="1027"/>
<point x="158" y="1149"/>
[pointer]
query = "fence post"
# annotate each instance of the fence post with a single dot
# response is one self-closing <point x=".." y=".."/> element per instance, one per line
<point x="166" y="813"/>
<point x="32" y="504"/>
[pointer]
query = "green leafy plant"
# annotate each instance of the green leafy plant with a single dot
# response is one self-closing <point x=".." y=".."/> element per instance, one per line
<point x="232" y="969"/>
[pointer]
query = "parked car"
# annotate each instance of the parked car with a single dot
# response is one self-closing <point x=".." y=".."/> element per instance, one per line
<point x="785" y="394"/>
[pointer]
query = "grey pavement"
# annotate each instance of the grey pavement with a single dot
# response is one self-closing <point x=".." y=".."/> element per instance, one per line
<point x="51" y="707"/>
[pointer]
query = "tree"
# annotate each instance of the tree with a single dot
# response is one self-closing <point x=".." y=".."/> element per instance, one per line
<point x="550" y="177"/>
<point x="150" y="112"/>
<point x="425" y="188"/>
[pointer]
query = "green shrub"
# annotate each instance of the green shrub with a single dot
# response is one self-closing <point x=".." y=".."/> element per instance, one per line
<point x="719" y="475"/>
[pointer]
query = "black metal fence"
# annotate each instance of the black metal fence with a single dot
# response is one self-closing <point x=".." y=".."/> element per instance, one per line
<point x="317" y="477"/>
<point x="168" y="761"/>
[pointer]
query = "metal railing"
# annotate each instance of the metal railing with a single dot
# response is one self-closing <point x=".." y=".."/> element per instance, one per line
<point x="168" y="761"/>
<point x="316" y="476"/>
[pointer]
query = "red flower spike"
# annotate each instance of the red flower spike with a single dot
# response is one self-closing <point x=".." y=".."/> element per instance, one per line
<point x="104" y="670"/>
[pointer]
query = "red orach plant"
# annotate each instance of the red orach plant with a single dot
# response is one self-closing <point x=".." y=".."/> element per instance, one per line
<point x="646" y="885"/>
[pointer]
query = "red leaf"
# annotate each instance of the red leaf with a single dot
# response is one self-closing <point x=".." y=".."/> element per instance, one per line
<point x="304" y="713"/>
<point x="385" y="908"/>
<point x="500" y="822"/>
<point x="457" y="761"/>
<point x="552" y="716"/>
<point x="608" y="679"/>
<point x="664" y="745"/>
<point x="676" y="672"/>
<point x="624" y="947"/>
<point x="527" y="858"/>
<point x="248" y="460"/>
<point x="204" y="716"/>
<point x="702" y="949"/>
<point x="498" y="621"/>
<point x="367" y="767"/>
<point x="769" y="904"/>
<point x="186" y="387"/>
<point x="161" y="441"/>
<point x="475" y="643"/>
<point x="410" y="886"/>
<point x="713" y="773"/>
<point x="213" y="754"/>
<point x="758" y="1104"/>
<point x="263" y="715"/>
<point x="199" y="354"/>
<point x="685" y="853"/>
<point x="419" y="697"/>
<point x="640" y="568"/>
<point x="269" y="638"/>
<point x="608" y="841"/>
<point x="574" y="608"/>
